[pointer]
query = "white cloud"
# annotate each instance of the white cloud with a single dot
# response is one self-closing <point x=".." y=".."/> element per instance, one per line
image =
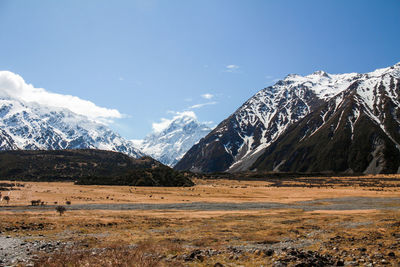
<point x="207" y="96"/>
<point x="202" y="105"/>
<point x="231" y="68"/>
<point x="159" y="126"/>
<point x="164" y="123"/>
<point x="14" y="86"/>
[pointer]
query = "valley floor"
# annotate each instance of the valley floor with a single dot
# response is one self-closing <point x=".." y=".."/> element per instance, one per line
<point x="276" y="222"/>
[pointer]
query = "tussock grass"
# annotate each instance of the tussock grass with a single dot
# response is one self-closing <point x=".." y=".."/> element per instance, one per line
<point x="146" y="254"/>
<point x="167" y="237"/>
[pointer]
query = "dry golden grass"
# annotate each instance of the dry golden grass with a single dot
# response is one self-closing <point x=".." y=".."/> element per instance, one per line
<point x="291" y="190"/>
<point x="145" y="254"/>
<point x="169" y="237"/>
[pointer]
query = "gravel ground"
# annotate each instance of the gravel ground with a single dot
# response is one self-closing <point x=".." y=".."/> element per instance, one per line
<point x="14" y="250"/>
<point x="347" y="203"/>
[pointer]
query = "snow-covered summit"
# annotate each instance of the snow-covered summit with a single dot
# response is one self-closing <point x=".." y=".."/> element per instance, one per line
<point x="321" y="83"/>
<point x="171" y="139"/>
<point x="240" y="139"/>
<point x="392" y="71"/>
<point x="326" y="85"/>
<point x="28" y="122"/>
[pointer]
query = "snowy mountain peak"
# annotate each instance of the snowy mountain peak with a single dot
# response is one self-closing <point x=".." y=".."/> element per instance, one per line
<point x="292" y="76"/>
<point x="321" y="73"/>
<point x="392" y="71"/>
<point x="237" y="142"/>
<point x="172" y="138"/>
<point x="13" y="86"/>
<point x="184" y="122"/>
<point x="31" y="119"/>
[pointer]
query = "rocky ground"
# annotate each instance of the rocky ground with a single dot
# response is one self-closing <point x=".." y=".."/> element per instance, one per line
<point x="18" y="251"/>
<point x="289" y="256"/>
<point x="23" y="250"/>
<point x="301" y="240"/>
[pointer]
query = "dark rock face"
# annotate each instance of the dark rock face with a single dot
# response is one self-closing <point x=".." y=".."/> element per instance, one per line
<point x="210" y="153"/>
<point x="347" y="141"/>
<point x="254" y="125"/>
<point x="317" y="123"/>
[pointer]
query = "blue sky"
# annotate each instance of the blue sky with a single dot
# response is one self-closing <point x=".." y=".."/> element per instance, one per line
<point x="148" y="58"/>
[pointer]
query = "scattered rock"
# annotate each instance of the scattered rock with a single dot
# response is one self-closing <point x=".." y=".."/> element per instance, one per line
<point x="269" y="252"/>
<point x="196" y="254"/>
<point x="339" y="263"/>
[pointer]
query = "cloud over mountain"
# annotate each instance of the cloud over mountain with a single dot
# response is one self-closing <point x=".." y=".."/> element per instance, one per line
<point x="171" y="138"/>
<point x="14" y="86"/>
<point x="164" y="123"/>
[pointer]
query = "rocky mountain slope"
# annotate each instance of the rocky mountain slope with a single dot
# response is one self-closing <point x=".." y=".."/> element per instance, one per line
<point x="32" y="126"/>
<point x="319" y="122"/>
<point x="175" y="139"/>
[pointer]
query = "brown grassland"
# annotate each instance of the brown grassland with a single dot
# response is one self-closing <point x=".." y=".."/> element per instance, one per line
<point x="289" y="236"/>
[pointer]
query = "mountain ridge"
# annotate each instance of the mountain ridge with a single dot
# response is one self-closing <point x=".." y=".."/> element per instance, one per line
<point x="28" y="125"/>
<point x="169" y="144"/>
<point x="243" y="137"/>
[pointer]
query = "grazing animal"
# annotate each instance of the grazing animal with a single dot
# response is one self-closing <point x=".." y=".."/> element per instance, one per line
<point x="7" y="199"/>
<point x="36" y="202"/>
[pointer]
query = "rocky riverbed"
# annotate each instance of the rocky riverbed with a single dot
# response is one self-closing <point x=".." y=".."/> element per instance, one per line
<point x="344" y="203"/>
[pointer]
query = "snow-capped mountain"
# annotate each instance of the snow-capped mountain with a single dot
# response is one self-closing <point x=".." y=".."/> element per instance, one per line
<point x="279" y="128"/>
<point x="33" y="126"/>
<point x="174" y="139"/>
